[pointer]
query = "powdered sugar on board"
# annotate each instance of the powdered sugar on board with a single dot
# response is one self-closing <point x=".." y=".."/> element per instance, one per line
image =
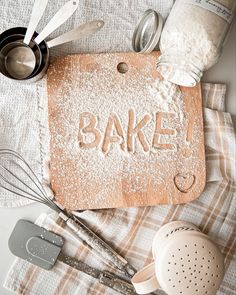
<point x="122" y="139"/>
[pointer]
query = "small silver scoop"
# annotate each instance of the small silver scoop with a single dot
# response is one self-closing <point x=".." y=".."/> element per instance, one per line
<point x="44" y="248"/>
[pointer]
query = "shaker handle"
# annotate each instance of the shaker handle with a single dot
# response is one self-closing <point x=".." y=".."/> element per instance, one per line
<point x="145" y="281"/>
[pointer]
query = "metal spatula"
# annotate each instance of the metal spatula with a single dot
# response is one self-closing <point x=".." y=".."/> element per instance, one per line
<point x="44" y="248"/>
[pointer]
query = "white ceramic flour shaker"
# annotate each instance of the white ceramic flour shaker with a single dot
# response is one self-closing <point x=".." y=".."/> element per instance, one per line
<point x="185" y="262"/>
<point x="192" y="38"/>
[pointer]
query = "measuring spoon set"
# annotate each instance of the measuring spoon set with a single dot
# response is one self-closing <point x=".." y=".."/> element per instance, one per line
<point x="24" y="54"/>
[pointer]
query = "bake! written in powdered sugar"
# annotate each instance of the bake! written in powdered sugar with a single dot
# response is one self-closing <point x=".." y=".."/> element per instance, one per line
<point x="105" y="126"/>
<point x="111" y="141"/>
<point x="170" y="108"/>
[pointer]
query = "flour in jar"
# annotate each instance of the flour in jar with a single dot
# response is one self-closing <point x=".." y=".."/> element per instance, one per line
<point x="192" y="39"/>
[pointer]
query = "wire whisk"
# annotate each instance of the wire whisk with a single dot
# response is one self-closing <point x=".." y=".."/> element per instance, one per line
<point x="17" y="177"/>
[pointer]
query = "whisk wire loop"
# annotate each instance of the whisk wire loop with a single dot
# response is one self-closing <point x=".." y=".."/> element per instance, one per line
<point x="18" y="156"/>
<point x="17" y="185"/>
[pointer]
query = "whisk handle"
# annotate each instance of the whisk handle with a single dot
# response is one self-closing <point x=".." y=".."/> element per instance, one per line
<point x="94" y="241"/>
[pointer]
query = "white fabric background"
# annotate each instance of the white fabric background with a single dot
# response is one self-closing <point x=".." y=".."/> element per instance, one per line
<point x="23" y="108"/>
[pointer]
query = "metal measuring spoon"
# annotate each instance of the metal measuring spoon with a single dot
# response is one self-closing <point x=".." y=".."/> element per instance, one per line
<point x="17" y="35"/>
<point x="75" y="34"/>
<point x="25" y="60"/>
<point x="59" y="18"/>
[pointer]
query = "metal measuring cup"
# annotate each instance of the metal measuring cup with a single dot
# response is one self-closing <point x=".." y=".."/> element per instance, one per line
<point x="43" y="52"/>
<point x="16" y="62"/>
<point x="8" y="41"/>
<point x="20" y="60"/>
<point x="13" y="63"/>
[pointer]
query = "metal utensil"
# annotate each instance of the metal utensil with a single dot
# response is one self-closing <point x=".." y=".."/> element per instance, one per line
<point x="147" y="32"/>
<point x="13" y="34"/>
<point x="37" y="13"/>
<point x="58" y="19"/>
<point x="25" y="52"/>
<point x="16" y="36"/>
<point x="17" y="177"/>
<point x="44" y="248"/>
<point x="75" y="34"/>
<point x="22" y="64"/>
<point x="17" y="62"/>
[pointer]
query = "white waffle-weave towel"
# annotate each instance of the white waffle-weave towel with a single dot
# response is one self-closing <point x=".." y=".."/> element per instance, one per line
<point x="23" y="108"/>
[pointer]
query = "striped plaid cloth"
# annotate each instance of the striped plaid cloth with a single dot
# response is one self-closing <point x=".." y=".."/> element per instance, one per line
<point x="130" y="231"/>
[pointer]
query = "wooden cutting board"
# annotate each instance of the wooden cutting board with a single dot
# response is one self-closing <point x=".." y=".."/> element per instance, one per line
<point x="121" y="136"/>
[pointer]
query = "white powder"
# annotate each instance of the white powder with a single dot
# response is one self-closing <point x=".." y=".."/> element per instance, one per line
<point x="89" y="178"/>
<point x="191" y="40"/>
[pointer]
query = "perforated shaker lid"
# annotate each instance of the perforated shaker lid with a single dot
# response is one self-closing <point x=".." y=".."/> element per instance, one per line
<point x="186" y="262"/>
<point x="167" y="231"/>
<point x="189" y="264"/>
<point x="147" y="32"/>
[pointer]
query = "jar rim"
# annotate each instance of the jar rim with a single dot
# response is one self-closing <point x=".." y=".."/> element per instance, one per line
<point x="140" y="28"/>
<point x="183" y="74"/>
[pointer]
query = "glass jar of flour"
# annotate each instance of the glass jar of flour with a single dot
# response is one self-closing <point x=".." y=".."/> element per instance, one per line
<point x="192" y="39"/>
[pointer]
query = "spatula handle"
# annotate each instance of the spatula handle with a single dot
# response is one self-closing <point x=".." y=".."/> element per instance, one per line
<point x="82" y="231"/>
<point x="37" y="13"/>
<point x="105" y="278"/>
<point x="83" y="30"/>
<point x="59" y="18"/>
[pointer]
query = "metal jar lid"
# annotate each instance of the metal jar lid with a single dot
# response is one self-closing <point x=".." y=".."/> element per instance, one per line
<point x="147" y="32"/>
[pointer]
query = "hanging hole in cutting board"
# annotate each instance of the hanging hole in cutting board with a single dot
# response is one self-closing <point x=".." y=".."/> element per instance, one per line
<point x="122" y="67"/>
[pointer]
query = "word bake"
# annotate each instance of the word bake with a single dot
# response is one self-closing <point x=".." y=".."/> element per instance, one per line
<point x="115" y="133"/>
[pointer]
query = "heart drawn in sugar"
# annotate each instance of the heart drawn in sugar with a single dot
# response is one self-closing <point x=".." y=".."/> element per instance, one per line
<point x="184" y="182"/>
